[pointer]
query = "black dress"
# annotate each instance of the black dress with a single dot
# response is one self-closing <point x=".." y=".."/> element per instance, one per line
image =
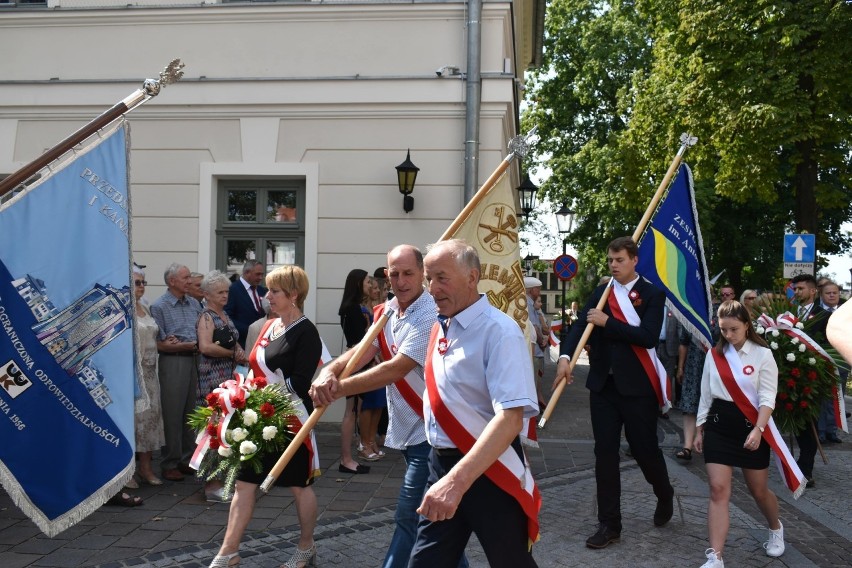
<point x="296" y="353"/>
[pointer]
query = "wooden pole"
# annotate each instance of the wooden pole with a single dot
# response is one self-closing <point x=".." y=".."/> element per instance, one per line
<point x="151" y="88"/>
<point x="312" y="420"/>
<point x="640" y="229"/>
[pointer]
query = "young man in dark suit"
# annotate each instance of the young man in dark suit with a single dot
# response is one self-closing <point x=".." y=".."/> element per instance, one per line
<point x="622" y="392"/>
<point x="245" y="299"/>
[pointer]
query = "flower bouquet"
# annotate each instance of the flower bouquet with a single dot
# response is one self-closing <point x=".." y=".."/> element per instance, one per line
<point x="806" y="372"/>
<point x="244" y="420"/>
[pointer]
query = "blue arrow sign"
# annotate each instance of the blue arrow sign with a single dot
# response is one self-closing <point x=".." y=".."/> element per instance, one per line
<point x="800" y="248"/>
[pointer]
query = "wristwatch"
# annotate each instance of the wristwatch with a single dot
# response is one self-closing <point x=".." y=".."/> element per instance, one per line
<point x="761" y="428"/>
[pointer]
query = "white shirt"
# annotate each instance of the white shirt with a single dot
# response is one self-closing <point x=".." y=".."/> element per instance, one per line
<point x="487" y="361"/>
<point x="764" y="377"/>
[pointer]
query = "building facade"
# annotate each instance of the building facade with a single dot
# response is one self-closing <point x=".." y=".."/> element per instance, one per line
<point x="280" y="141"/>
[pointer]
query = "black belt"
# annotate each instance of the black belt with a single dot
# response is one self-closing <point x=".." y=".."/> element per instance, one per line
<point x="449" y="452"/>
<point x="177" y="354"/>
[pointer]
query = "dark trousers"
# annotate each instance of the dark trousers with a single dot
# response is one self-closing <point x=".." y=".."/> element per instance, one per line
<point x="497" y="519"/>
<point x="638" y="415"/>
<point x="807" y="451"/>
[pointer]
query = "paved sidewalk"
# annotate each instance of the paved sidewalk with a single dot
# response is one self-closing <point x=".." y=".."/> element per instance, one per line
<point x="177" y="527"/>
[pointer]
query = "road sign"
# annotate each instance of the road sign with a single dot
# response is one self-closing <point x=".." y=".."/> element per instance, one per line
<point x="800" y="248"/>
<point x="565" y="267"/>
<point x="793" y="269"/>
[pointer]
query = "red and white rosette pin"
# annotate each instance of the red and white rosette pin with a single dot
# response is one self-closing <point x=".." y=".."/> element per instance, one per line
<point x="633" y="295"/>
<point x="394" y="348"/>
<point x="748" y="370"/>
<point x="443" y="344"/>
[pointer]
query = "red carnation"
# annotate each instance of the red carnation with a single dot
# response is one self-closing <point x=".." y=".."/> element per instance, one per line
<point x="238" y="399"/>
<point x="212" y="400"/>
<point x="782" y="396"/>
<point x="806" y="390"/>
<point x="788" y="407"/>
<point x="211" y="429"/>
<point x="259" y="382"/>
<point x="803" y="404"/>
<point x="812" y="375"/>
<point x="791" y="383"/>
<point x="267" y="410"/>
<point x="214" y="443"/>
<point x="795" y="372"/>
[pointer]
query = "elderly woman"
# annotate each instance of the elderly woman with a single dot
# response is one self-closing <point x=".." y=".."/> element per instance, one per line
<point x="149" y="422"/>
<point x="218" y="349"/>
<point x="741" y="363"/>
<point x="288" y="353"/>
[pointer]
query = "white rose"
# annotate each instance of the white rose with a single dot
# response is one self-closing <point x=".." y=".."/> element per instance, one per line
<point x="239" y="434"/>
<point x="791" y="357"/>
<point x="269" y="432"/>
<point x="800" y="325"/>
<point x="794" y="341"/>
<point x="811" y="361"/>
<point x="802" y="348"/>
<point x="773" y="345"/>
<point x="761" y="330"/>
<point x="247" y="448"/>
<point x="249" y="417"/>
<point x="225" y="452"/>
<point x="775" y="333"/>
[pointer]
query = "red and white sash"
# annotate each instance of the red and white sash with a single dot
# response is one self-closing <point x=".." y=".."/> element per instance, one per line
<point x="744" y="393"/>
<point x="257" y="362"/>
<point x="509" y="472"/>
<point x="410" y="386"/>
<point x="786" y="323"/>
<point x="621" y="307"/>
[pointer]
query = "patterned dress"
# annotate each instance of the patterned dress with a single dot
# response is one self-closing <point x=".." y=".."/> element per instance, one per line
<point x="212" y="371"/>
<point x="149" y="422"/>
<point x="690" y="389"/>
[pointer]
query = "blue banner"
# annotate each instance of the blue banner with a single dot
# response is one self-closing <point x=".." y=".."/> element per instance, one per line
<point x="671" y="256"/>
<point x="66" y="343"/>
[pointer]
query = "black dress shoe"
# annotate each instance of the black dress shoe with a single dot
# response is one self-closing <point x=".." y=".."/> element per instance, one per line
<point x="604" y="537"/>
<point x="810" y="484"/>
<point x="664" y="511"/>
<point x="360" y="469"/>
<point x="833" y="438"/>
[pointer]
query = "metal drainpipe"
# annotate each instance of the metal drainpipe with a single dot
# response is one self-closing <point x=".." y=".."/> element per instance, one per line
<point x="473" y="96"/>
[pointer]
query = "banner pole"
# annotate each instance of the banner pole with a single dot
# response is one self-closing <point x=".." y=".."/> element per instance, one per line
<point x="312" y="420"/>
<point x="150" y="88"/>
<point x="687" y="141"/>
<point x="518" y="147"/>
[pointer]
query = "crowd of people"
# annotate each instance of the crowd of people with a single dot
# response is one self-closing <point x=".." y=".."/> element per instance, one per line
<point x="427" y="386"/>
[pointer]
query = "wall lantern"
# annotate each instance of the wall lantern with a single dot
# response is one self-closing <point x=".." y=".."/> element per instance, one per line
<point x="406" y="174"/>
<point x="528" y="192"/>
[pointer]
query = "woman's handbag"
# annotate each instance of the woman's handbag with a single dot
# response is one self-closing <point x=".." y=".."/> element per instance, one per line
<point x="223" y="336"/>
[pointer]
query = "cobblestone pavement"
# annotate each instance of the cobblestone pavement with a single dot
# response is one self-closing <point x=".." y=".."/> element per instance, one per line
<point x="177" y="527"/>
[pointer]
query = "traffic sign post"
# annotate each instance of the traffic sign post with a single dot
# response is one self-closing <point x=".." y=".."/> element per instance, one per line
<point x="799" y="254"/>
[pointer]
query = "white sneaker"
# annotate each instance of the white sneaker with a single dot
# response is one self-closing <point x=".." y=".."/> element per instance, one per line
<point x="775" y="545"/>
<point x="713" y="561"/>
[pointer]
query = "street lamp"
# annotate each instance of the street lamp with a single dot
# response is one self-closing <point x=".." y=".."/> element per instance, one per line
<point x="564" y="224"/>
<point x="528" y="263"/>
<point x="406" y="174"/>
<point x="528" y="192"/>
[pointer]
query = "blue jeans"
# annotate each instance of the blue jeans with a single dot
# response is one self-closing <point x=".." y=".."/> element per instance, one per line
<point x="410" y="496"/>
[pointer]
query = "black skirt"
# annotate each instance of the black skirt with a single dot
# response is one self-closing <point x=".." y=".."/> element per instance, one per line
<point x="294" y="475"/>
<point x="725" y="433"/>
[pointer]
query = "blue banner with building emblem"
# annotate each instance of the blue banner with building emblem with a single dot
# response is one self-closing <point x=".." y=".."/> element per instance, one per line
<point x="66" y="343"/>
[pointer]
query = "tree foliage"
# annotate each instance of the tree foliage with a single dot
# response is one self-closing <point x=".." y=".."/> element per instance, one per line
<point x="762" y="84"/>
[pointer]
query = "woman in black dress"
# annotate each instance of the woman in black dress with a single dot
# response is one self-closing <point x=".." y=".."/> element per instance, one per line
<point x="726" y="437"/>
<point x="288" y="352"/>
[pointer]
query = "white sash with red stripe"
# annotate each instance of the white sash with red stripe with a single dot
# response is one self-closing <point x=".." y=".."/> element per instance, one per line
<point x="621" y="307"/>
<point x="410" y="386"/>
<point x="744" y="393"/>
<point x="786" y="323"/>
<point x="509" y="472"/>
<point x="257" y="362"/>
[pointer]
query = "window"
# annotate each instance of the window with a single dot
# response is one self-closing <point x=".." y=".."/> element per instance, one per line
<point x="260" y="220"/>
